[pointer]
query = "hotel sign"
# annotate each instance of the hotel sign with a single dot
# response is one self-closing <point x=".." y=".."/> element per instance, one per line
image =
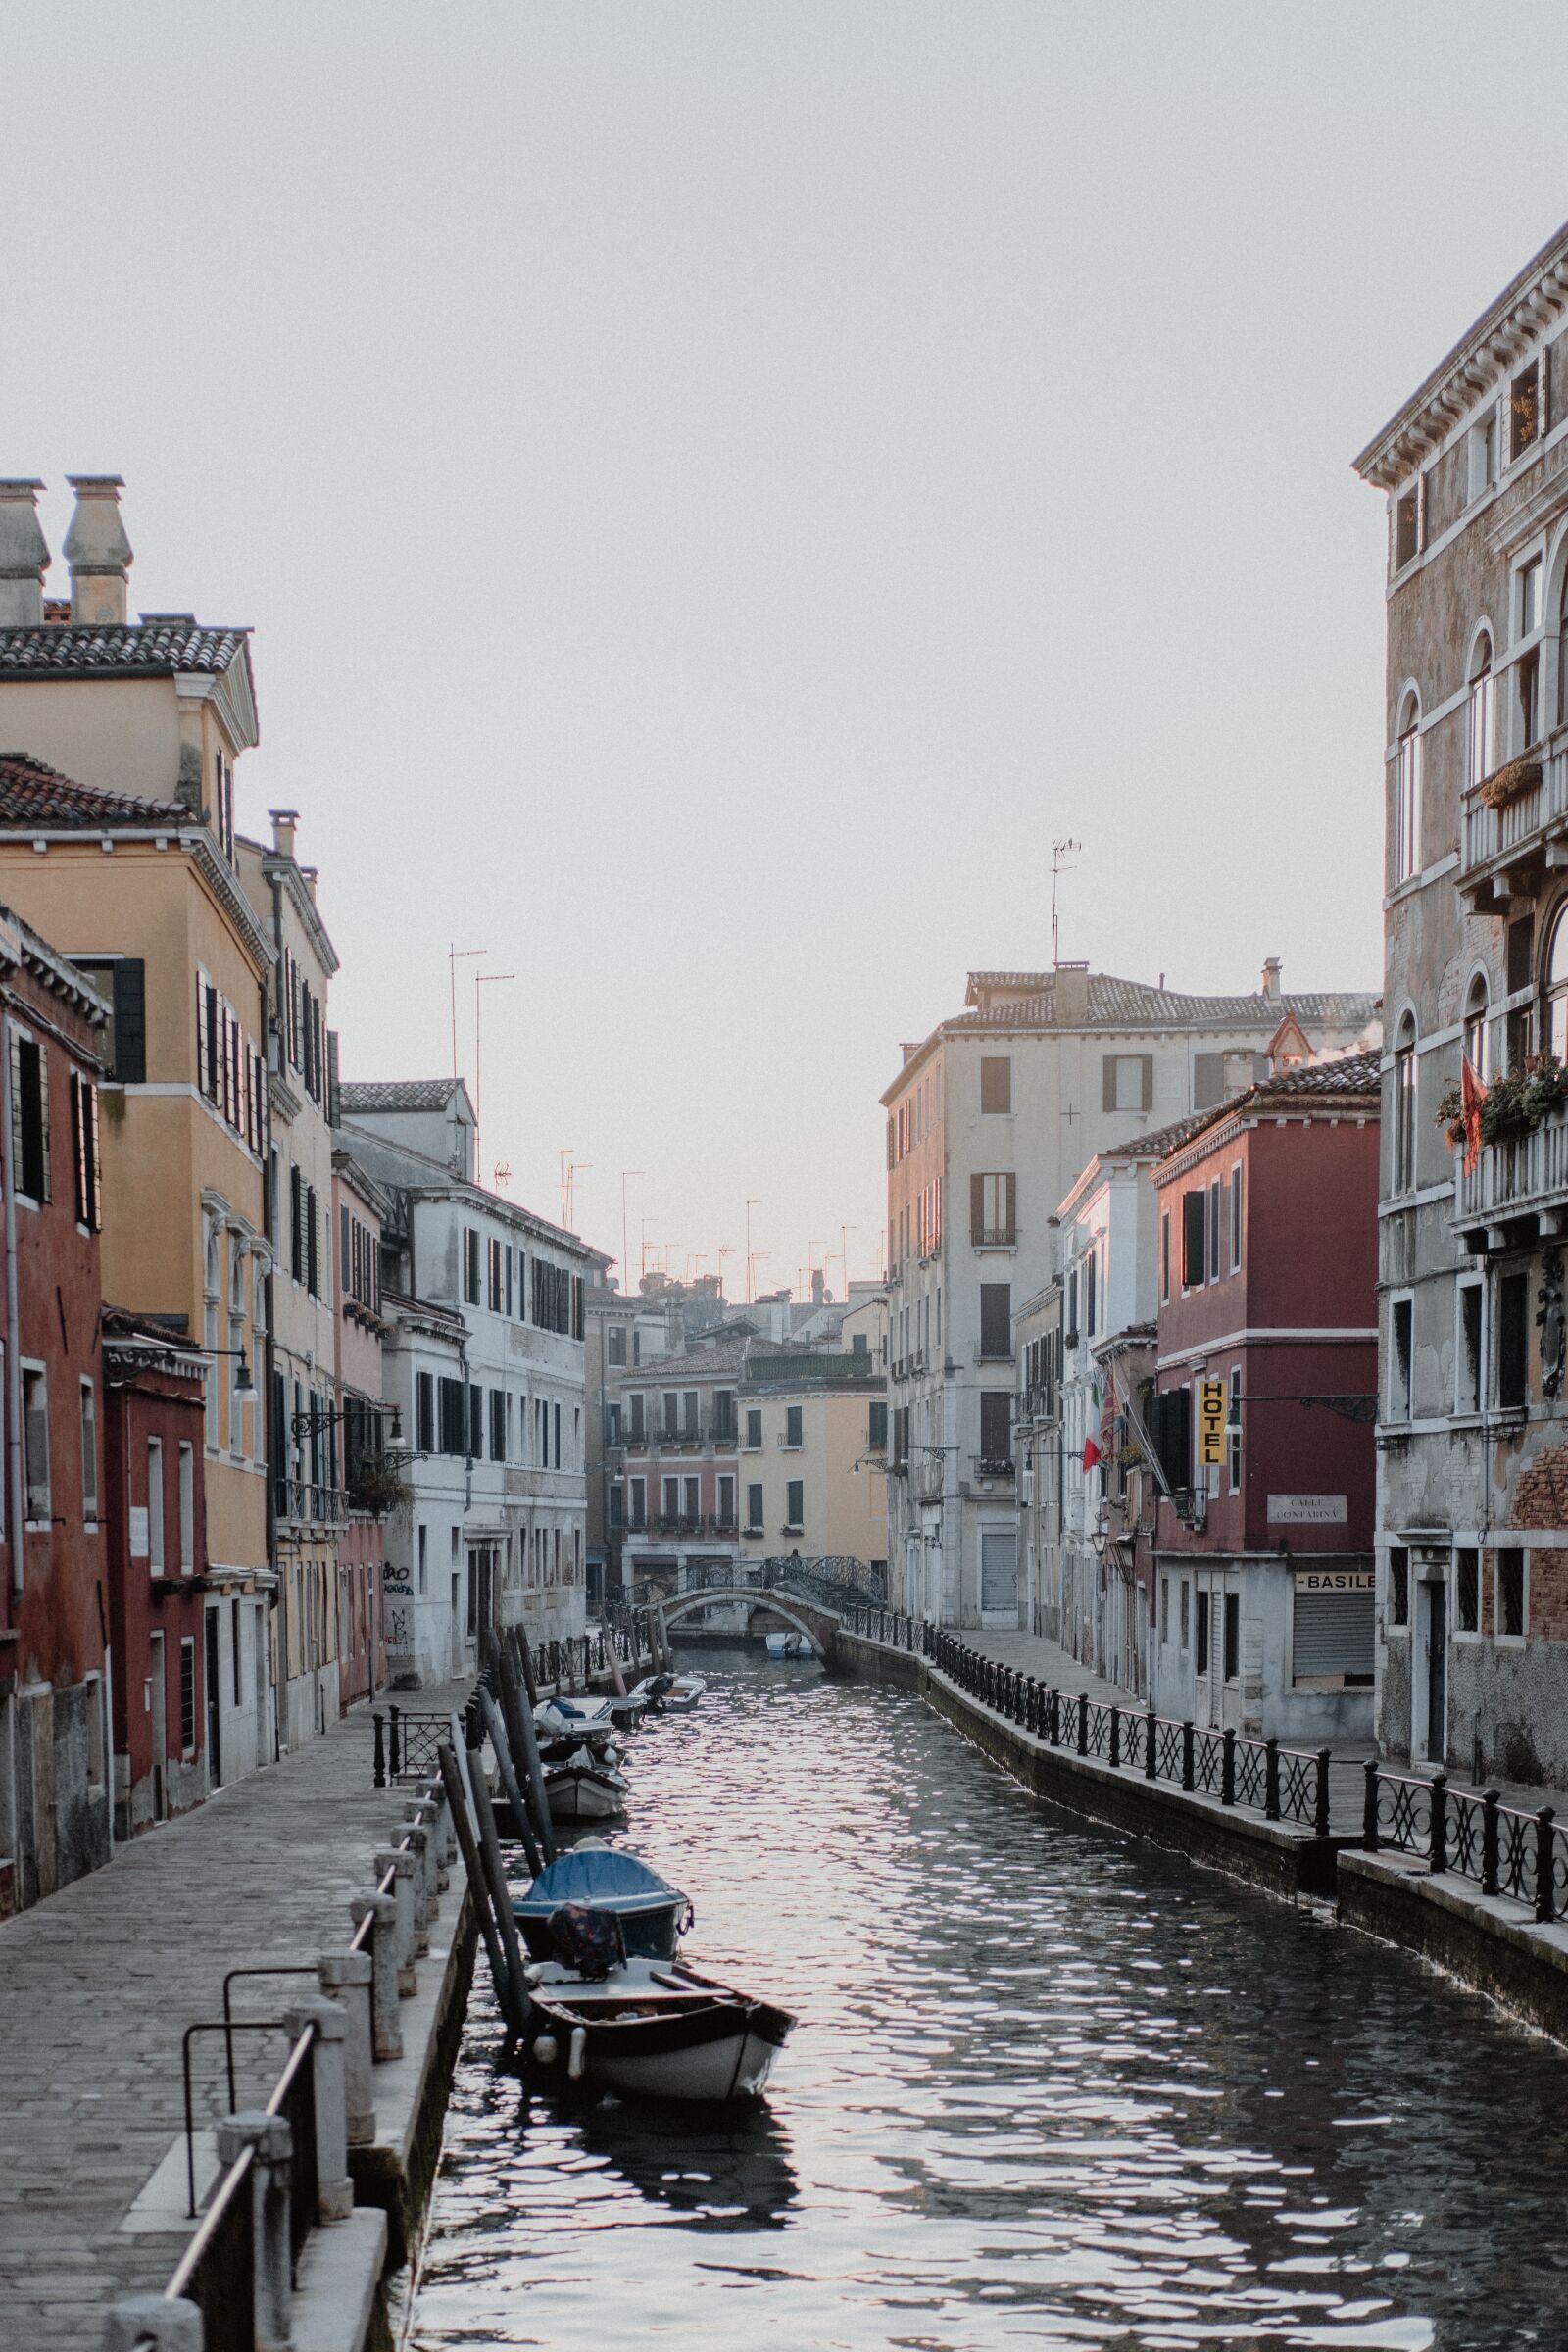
<point x="1308" y="1510"/>
<point x="1210" y="1422"/>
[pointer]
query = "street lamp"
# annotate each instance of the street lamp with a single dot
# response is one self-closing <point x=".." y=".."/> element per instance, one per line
<point x="244" y="1386"/>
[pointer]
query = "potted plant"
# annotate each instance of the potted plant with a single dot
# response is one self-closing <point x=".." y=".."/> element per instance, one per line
<point x="379" y="1488"/>
<point x="1450" y="1116"/>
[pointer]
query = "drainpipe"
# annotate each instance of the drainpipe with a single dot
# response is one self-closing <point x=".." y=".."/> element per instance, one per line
<point x="14" y="1458"/>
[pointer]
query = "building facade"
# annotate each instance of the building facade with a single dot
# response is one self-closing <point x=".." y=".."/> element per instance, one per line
<point x="671" y="1461"/>
<point x="373" y="1488"/>
<point x="989" y="1123"/>
<point x="814" y="1436"/>
<point x="1473" y="1460"/>
<point x="1267" y="1334"/>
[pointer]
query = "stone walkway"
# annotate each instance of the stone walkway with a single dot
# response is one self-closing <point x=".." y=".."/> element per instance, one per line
<point x="100" y="1982"/>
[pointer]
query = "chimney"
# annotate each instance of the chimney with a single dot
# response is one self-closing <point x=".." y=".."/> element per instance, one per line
<point x="98" y="551"/>
<point x="1271" y="979"/>
<point x="285" y="824"/>
<point x="818" y="1286"/>
<point x="24" y="556"/>
<point x="1072" y="1010"/>
<point x="309" y="875"/>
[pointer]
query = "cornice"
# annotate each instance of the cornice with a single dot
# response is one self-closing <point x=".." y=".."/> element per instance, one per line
<point x="277" y="868"/>
<point x="223" y="884"/>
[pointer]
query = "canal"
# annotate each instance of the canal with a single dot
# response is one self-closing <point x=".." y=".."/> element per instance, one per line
<point x="1048" y="2088"/>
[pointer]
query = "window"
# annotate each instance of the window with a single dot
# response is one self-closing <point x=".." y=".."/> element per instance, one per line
<point x="692" y="1500"/>
<point x="471" y="1266"/>
<point x="1214" y="1228"/>
<point x="1524" y="411"/>
<point x="636" y="1426"/>
<point x="1399" y="1317"/>
<point x="1208" y="1081"/>
<point x="996" y="1319"/>
<point x="992" y="1209"/>
<point x="1407" y="527"/>
<point x="637" y="1497"/>
<point x="424" y="1412"/>
<point x="795" y="1506"/>
<point x="1513" y="1341"/>
<point x="689" y="1421"/>
<point x="90" y="1454"/>
<point x="1236" y="1217"/>
<point x="1194" y="1233"/>
<point x="1476" y="1049"/>
<point x="1556" y="1021"/>
<point x="454" y="1417"/>
<point x="35" y="1442"/>
<point x="1483" y="452"/>
<point x="1091" y="1290"/>
<point x="84" y="1157"/>
<point x="671" y="1413"/>
<point x="724" y="1416"/>
<point x="1467" y="1590"/>
<point x="1233" y="1431"/>
<point x="611" y="1425"/>
<point x="1399" y="1585"/>
<point x="793" y="1421"/>
<point x="1164" y="1257"/>
<point x="617" y="1503"/>
<point x="155" y="1507"/>
<point x="1527" y="670"/>
<point x="671" y="1505"/>
<point x="188" y="1696"/>
<point x="876" y="1434"/>
<point x="1407" y="798"/>
<point x="475" y="1422"/>
<point x="726" y="1501"/>
<point x="996" y="1083"/>
<point x="1127" y="1081"/>
<point x="753" y="1510"/>
<point x="1510" y="1595"/>
<point x="313" y="1242"/>
<point x="30" y="1116"/>
<point x="1481" y="706"/>
<point x="123" y="980"/>
<point x="498" y="1425"/>
<point x="1185" y="1613"/>
<point x="1404" y="1075"/>
<point x="1165" y="1608"/>
<point x="1233" y="1637"/>
<point x="616" y="1344"/>
<point x="1469" y="1387"/>
<point x="498" y="1287"/>
<point x="1200" y="1634"/>
<point x="996" y="1428"/>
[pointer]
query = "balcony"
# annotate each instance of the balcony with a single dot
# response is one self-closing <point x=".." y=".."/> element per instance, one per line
<point x="993" y="1465"/>
<point x="1513" y="829"/>
<point x="992" y="1237"/>
<point x="1518" y="1189"/>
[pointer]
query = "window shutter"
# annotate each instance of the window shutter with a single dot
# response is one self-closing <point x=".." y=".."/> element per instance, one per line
<point x="202" y="1048"/>
<point x="1193" y="1225"/>
<point x="1107" y="1081"/>
<point x="44" y="1120"/>
<point x="977" y="1204"/>
<point x="1009" y="1194"/>
<point x="17" y="1155"/>
<point x="130" y="1021"/>
<point x="313" y="1281"/>
<point x="96" y="1195"/>
<point x="1146" y="1092"/>
<point x="78" y="1148"/>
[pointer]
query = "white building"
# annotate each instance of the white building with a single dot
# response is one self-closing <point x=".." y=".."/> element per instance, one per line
<point x="994" y="1113"/>
<point x="486" y="1361"/>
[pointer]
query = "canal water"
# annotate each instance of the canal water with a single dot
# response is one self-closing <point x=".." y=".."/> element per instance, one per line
<point x="1048" y="2088"/>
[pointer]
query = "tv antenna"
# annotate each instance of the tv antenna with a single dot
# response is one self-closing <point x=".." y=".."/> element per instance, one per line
<point x="1060" y="852"/>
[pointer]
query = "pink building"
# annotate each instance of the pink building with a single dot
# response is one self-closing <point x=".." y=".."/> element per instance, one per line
<point x="368" y="1479"/>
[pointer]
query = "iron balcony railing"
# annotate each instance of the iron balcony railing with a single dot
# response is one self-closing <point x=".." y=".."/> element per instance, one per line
<point x="306" y="1501"/>
<point x="1472" y="1834"/>
<point x="1515" y="1175"/>
<point x="1539" y="797"/>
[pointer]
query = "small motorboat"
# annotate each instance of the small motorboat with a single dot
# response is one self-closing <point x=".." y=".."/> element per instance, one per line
<point x="586" y="1786"/>
<point x="653" y="1914"/>
<point x="786" y="1645"/>
<point x="685" y="1690"/>
<point x="594" y="1720"/>
<point x="644" y="2029"/>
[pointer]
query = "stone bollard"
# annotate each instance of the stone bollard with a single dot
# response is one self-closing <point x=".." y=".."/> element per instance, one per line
<point x="149" y="2323"/>
<point x="404" y="1864"/>
<point x="271" y="2139"/>
<point x="334" y="2190"/>
<point x="422" y="1902"/>
<point x="422" y="1816"/>
<point x="445" y="1838"/>
<point x="346" y="1978"/>
<point x="382" y="1911"/>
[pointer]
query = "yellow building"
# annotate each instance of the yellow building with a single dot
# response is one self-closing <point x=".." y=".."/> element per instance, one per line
<point x="117" y="840"/>
<point x="813" y="1445"/>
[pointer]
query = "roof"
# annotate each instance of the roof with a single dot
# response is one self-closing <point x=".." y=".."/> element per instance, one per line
<point x="1354" y="1078"/>
<point x="34" y="794"/>
<point x="1116" y="1003"/>
<point x="151" y="649"/>
<point x="723" y="1360"/>
<point x="1158" y="1140"/>
<point x="397" y="1094"/>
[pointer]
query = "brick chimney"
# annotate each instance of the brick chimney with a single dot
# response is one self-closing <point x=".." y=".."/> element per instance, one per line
<point x="1072" y="996"/>
<point x="98" y="551"/>
<point x="23" y="555"/>
<point x="1271" y="979"/>
<point x="286" y="824"/>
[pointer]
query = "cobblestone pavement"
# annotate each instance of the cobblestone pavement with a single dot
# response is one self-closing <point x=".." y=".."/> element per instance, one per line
<point x="100" y="1982"/>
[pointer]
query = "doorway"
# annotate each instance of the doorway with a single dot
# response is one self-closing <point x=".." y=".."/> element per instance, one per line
<point x="998" y="1573"/>
<point x="157" y="1692"/>
<point x="1435" y="1631"/>
<point x="213" y="1669"/>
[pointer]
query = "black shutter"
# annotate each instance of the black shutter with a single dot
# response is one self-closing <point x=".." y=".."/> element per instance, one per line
<point x="1194" y="1218"/>
<point x="130" y="1021"/>
<point x="475" y="1423"/>
<point x="977" y="1206"/>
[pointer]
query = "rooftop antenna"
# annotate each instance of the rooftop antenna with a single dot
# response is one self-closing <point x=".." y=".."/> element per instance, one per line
<point x="570" y="1170"/>
<point x="1060" y="852"/>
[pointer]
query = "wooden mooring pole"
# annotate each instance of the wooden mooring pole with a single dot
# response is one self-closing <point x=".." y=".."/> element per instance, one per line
<point x="525" y="1740"/>
<point x="457" y="1799"/>
<point x="505" y="1764"/>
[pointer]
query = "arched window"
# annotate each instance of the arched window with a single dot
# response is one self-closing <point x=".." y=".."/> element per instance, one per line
<point x="1477" y="1035"/>
<point x="1554" y="981"/>
<point x="1407" y="795"/>
<point x="1481" y="761"/>
<point x="1562" y="653"/>
<point x="1404" y="1107"/>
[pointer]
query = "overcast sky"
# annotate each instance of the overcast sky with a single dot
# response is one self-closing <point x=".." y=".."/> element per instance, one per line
<point x="718" y="488"/>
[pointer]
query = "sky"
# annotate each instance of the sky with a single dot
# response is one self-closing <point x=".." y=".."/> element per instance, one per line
<point x="719" y="489"/>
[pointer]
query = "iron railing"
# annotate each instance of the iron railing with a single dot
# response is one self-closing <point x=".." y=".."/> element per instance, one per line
<point x="1471" y="1833"/>
<point x="218" y="2269"/>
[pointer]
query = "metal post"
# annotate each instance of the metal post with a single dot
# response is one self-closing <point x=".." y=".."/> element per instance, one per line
<point x="150" y="2324"/>
<point x="1369" y="1807"/>
<point x="382" y="1912"/>
<point x="380" y="1750"/>
<point x="396" y="1758"/>
<point x="1151" y="1745"/>
<point x="271" y="2142"/>
<point x="1083" y="1723"/>
<point x="1055" y="1716"/>
<point x="346" y="1979"/>
<point x="1320" y="1822"/>
<point x="334" y="2189"/>
<point x="400" y="1862"/>
<point x="1546" y="1884"/>
<point x="1115" y="1736"/>
<point x="1187" y="1759"/>
<point x="1271" y="1780"/>
<point x="1440" y="1823"/>
<point x="1226" y="1767"/>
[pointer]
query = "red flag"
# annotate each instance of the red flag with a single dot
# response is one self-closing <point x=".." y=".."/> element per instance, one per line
<point x="1472" y="1094"/>
<point x="1092" y="1453"/>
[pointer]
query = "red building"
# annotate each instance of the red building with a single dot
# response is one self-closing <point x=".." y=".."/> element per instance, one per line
<point x="168" y="1747"/>
<point x="672" y="1460"/>
<point x="1267" y="1276"/>
<point x="56" y="1661"/>
<point x="361" y="1207"/>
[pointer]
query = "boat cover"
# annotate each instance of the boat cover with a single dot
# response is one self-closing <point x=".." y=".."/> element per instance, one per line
<point x="601" y="1877"/>
<point x="590" y="1942"/>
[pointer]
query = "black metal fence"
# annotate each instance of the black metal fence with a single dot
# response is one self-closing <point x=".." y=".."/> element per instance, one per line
<point x="1472" y="1833"/>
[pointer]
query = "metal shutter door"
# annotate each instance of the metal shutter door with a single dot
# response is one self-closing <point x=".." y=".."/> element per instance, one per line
<point x="1333" y="1634"/>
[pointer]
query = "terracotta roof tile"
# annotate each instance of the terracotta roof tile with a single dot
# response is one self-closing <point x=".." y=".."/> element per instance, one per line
<point x="34" y="795"/>
<point x="159" y="648"/>
<point x="397" y="1094"/>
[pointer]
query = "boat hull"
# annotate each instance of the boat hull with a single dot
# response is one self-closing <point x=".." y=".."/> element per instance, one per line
<point x="684" y="2048"/>
<point x="577" y="1796"/>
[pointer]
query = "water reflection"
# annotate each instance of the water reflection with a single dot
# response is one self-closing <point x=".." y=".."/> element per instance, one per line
<point x="1047" y="2088"/>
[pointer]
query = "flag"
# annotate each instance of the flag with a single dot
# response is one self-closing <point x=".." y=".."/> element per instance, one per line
<point x="1092" y="1453"/>
<point x="1473" y="1095"/>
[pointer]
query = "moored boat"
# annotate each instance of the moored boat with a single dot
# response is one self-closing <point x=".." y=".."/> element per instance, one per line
<point x="653" y="2029"/>
<point x="585" y="1786"/>
<point x="654" y="1915"/>
<point x="786" y="1645"/>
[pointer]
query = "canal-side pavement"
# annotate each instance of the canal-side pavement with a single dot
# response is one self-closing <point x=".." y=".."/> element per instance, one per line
<point x="101" y="1980"/>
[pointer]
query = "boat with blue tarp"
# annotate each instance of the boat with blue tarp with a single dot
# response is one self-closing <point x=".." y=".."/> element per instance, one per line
<point x="653" y="1914"/>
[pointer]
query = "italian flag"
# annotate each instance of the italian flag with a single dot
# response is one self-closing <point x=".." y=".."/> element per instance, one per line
<point x="1092" y="1453"/>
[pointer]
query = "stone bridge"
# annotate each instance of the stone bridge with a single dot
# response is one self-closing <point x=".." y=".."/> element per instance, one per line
<point x="814" y="1618"/>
